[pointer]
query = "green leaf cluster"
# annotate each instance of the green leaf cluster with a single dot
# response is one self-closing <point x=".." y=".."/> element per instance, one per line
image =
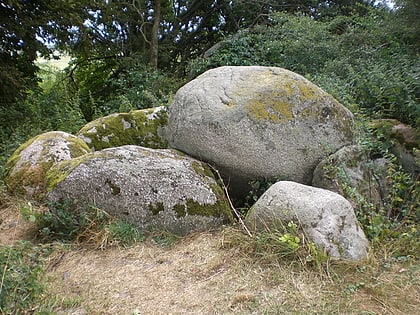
<point x="362" y="60"/>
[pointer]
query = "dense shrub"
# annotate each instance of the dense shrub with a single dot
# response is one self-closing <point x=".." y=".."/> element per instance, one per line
<point x="360" y="60"/>
<point x="119" y="85"/>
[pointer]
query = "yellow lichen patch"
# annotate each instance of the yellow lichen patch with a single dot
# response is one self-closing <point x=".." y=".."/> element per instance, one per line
<point x="277" y="97"/>
<point x="306" y="91"/>
<point x="276" y="111"/>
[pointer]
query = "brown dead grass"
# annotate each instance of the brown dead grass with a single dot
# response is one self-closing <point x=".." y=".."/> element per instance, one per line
<point x="12" y="226"/>
<point x="207" y="274"/>
<point x="199" y="275"/>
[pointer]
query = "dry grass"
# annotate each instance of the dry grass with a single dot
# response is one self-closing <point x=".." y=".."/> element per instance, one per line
<point x="12" y="226"/>
<point x="216" y="273"/>
<point x="201" y="275"/>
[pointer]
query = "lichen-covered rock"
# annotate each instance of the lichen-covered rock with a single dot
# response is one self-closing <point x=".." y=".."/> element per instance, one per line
<point x="351" y="173"/>
<point x="29" y="163"/>
<point x="148" y="187"/>
<point x="257" y="122"/>
<point x="142" y="127"/>
<point x="327" y="218"/>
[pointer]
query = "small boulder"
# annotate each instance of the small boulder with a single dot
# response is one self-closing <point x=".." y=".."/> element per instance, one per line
<point x="140" y="127"/>
<point x="257" y="122"/>
<point x="327" y="218"/>
<point x="148" y="187"/>
<point x="351" y="173"/>
<point x="29" y="163"/>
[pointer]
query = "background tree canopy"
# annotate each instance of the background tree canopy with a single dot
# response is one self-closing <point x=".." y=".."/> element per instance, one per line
<point x="130" y="54"/>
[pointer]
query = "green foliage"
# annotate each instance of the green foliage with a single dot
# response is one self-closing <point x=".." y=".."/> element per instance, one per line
<point x="361" y="60"/>
<point x="139" y="87"/>
<point x="164" y="238"/>
<point x="118" y="85"/>
<point x="397" y="222"/>
<point x="54" y="106"/>
<point x="21" y="285"/>
<point x="23" y="24"/>
<point x="123" y="233"/>
<point x="407" y="21"/>
<point x="257" y="188"/>
<point x="51" y="106"/>
<point x="90" y="226"/>
<point x="282" y="243"/>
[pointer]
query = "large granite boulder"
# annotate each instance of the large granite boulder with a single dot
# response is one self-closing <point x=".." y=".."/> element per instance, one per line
<point x="142" y="127"/>
<point x="351" y="173"/>
<point x="29" y="163"/>
<point x="257" y="122"/>
<point x="148" y="187"/>
<point x="327" y="218"/>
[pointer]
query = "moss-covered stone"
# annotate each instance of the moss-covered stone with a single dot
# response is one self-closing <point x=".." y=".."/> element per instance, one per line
<point x="156" y="208"/>
<point x="140" y="127"/>
<point x="219" y="209"/>
<point x="28" y="165"/>
<point x="148" y="187"/>
<point x="202" y="169"/>
<point x="272" y="110"/>
<point x="180" y="210"/>
<point x="59" y="172"/>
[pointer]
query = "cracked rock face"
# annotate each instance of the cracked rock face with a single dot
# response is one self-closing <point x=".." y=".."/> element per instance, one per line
<point x="147" y="187"/>
<point x="327" y="218"/>
<point x="253" y="122"/>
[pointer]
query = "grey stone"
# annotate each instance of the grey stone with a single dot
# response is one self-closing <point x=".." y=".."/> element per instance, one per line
<point x="257" y="122"/>
<point x="143" y="127"/>
<point x="404" y="142"/>
<point x="147" y="187"/>
<point x="327" y="218"/>
<point x="29" y="163"/>
<point x="351" y="173"/>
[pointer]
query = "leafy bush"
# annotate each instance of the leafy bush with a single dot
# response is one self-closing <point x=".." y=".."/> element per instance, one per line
<point x="361" y="60"/>
<point x="118" y="85"/>
<point x="49" y="107"/>
<point x="397" y="222"/>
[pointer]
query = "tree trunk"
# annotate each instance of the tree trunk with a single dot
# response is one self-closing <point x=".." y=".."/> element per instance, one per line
<point x="154" y="44"/>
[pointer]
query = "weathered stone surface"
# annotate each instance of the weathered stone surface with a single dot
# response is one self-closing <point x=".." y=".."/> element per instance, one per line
<point x="351" y="173"/>
<point x="30" y="162"/>
<point x="148" y="187"/>
<point x="140" y="127"/>
<point x="404" y="140"/>
<point x="257" y="122"/>
<point x="327" y="218"/>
